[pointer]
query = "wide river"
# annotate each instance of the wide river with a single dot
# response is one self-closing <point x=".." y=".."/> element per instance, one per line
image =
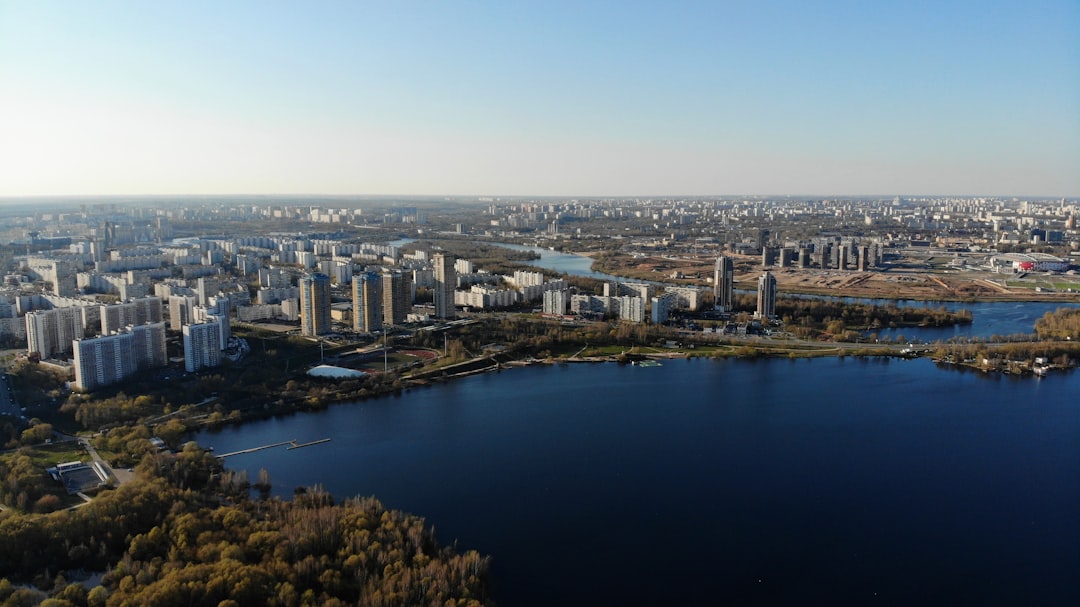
<point x="704" y="482"/>
<point x="990" y="319"/>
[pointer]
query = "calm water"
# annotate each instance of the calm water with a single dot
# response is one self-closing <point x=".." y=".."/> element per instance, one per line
<point x="574" y="265"/>
<point x="702" y="482"/>
<point x="989" y="318"/>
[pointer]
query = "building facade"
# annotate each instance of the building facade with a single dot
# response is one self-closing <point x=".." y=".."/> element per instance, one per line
<point x="445" y="284"/>
<point x="396" y="297"/>
<point x="556" y="301"/>
<point x="202" y="346"/>
<point x="766" y="296"/>
<point x="315" y="304"/>
<point x="724" y="283"/>
<point x="366" y="300"/>
<point x="111" y="358"/>
<point x="50" y="332"/>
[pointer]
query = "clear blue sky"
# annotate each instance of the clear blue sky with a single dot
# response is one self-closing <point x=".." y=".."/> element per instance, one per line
<point x="542" y="98"/>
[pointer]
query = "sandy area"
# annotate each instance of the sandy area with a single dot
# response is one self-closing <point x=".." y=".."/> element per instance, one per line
<point x="908" y="279"/>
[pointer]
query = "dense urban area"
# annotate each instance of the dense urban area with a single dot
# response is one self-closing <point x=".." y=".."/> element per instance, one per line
<point x="130" y="323"/>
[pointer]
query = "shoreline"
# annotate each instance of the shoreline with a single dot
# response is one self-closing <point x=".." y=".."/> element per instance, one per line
<point x="760" y="351"/>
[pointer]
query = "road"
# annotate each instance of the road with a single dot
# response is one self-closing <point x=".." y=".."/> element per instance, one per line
<point x="97" y="459"/>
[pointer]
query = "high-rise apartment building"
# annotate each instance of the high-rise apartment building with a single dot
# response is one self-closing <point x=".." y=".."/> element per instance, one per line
<point x="211" y="314"/>
<point x="111" y="358"/>
<point x="556" y="301"/>
<point x="202" y="346"/>
<point x="315" y="304"/>
<point x="396" y="297"/>
<point x="445" y="284"/>
<point x="366" y="299"/>
<point x="150" y="349"/>
<point x="116" y="316"/>
<point x="766" y="296"/>
<point x="58" y="275"/>
<point x="205" y="288"/>
<point x="103" y="360"/>
<point x="50" y="332"/>
<point x="724" y="283"/>
<point x="181" y="311"/>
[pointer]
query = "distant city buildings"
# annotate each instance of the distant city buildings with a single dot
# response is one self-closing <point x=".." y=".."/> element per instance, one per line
<point x="106" y="271"/>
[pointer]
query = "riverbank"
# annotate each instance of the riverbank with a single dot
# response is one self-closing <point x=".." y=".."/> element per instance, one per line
<point x="697" y="453"/>
<point x="905" y="280"/>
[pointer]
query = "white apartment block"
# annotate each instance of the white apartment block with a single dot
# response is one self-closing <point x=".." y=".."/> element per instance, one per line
<point x="556" y="302"/>
<point x="108" y="359"/>
<point x="202" y="346"/>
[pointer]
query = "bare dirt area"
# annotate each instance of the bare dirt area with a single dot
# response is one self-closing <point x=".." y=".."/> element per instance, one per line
<point x="906" y="279"/>
<point x="897" y="284"/>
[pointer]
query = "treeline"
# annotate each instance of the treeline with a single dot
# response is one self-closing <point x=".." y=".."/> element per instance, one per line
<point x="184" y="533"/>
<point x="1059" y="353"/>
<point x="822" y="312"/>
<point x="1063" y="323"/>
<point x="494" y="259"/>
<point x="93" y="412"/>
<point x="26" y="486"/>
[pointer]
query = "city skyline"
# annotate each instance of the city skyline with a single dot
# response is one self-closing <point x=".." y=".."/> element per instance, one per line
<point x="559" y="99"/>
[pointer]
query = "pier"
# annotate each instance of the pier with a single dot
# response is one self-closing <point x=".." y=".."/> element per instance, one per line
<point x="292" y="445"/>
<point x="260" y="448"/>
<point x="314" y="442"/>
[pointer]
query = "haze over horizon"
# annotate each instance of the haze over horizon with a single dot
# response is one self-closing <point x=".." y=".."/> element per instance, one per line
<point x="547" y="99"/>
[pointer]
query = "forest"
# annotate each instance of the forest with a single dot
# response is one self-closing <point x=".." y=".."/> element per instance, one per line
<point x="186" y="532"/>
<point x="1063" y="323"/>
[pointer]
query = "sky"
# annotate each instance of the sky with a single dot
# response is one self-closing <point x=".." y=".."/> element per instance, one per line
<point x="545" y="98"/>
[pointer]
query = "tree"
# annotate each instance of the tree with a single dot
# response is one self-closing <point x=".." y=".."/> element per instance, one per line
<point x="47" y="503"/>
<point x="36" y="433"/>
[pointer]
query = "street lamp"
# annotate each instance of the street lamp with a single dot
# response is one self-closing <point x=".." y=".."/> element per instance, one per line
<point x="386" y="349"/>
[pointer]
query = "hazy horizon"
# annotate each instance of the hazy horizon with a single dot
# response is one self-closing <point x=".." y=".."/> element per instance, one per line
<point x="560" y="99"/>
<point x="483" y="197"/>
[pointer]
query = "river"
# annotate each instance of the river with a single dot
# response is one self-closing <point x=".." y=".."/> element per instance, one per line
<point x="989" y="318"/>
<point x="730" y="481"/>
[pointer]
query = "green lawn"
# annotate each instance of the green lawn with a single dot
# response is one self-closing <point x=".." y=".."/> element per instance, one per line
<point x="47" y="456"/>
